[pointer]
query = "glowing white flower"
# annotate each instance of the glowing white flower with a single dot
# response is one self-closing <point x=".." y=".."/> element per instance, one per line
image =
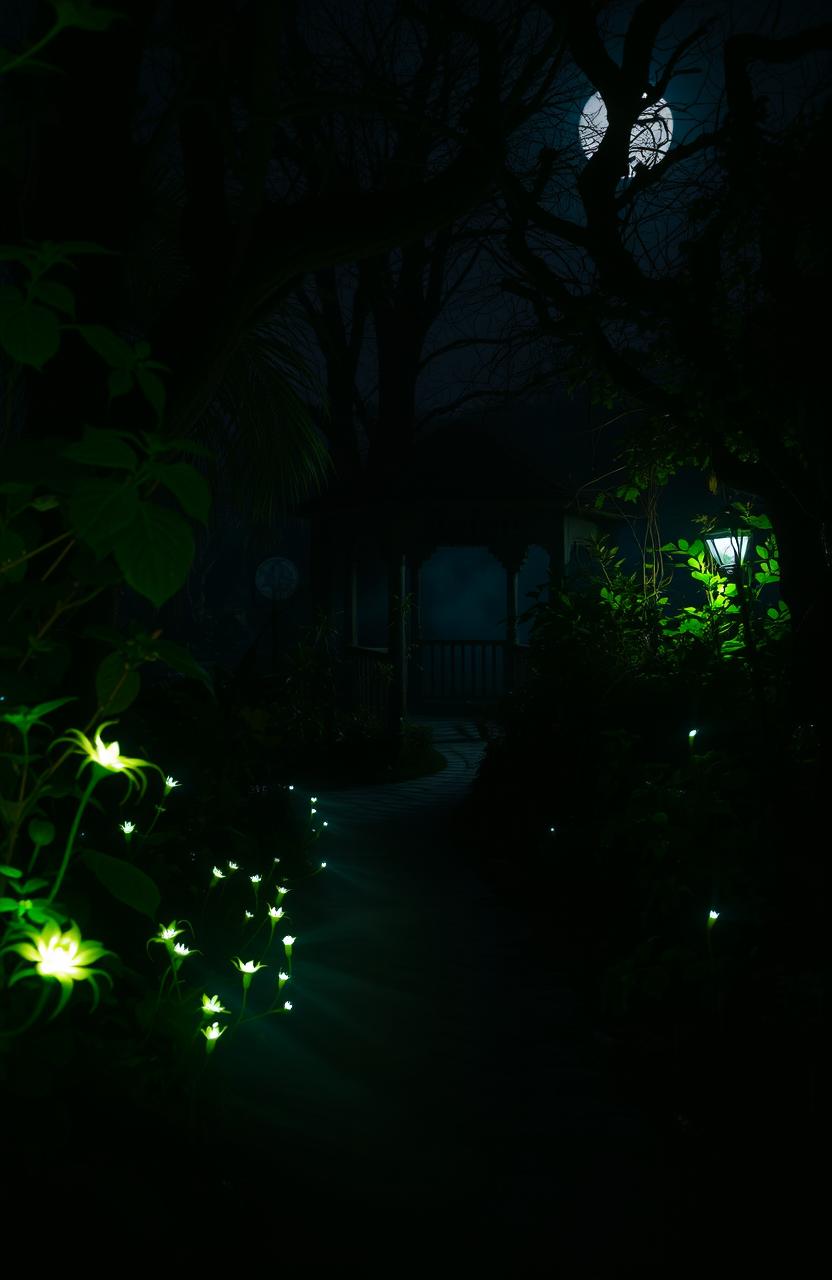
<point x="232" y="866"/>
<point x="255" y="879"/>
<point x="213" y="1004"/>
<point x="287" y="1004"/>
<point x="170" y="783"/>
<point x="220" y="875"/>
<point x="276" y="913"/>
<point x="127" y="827"/>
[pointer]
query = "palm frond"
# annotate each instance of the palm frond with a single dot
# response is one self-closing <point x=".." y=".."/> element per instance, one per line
<point x="270" y="455"/>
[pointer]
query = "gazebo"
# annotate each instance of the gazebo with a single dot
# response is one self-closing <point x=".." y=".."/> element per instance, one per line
<point x="460" y="487"/>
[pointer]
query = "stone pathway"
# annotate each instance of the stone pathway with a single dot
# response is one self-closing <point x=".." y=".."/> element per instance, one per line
<point x="431" y="1074"/>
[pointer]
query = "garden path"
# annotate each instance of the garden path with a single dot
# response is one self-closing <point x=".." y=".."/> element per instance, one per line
<point x="432" y="1074"/>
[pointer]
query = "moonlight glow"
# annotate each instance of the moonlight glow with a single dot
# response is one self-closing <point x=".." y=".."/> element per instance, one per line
<point x="649" y="139"/>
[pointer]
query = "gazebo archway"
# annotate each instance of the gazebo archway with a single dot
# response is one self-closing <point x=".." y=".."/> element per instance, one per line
<point x="460" y="489"/>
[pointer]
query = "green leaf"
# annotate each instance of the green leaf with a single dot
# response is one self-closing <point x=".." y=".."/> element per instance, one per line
<point x="177" y="657"/>
<point x="116" y="686"/>
<point x="29" y="334"/>
<point x="155" y="552"/>
<point x="80" y="13"/>
<point x="117" y="353"/>
<point x="181" y="660"/>
<point x="12" y="872"/>
<point x="157" y="444"/>
<point x="153" y="389"/>
<point x="31" y="885"/>
<point x="102" y="449"/>
<point x="25" y="718"/>
<point x="190" y="489"/>
<point x="119" y="382"/>
<point x="12" y="547"/>
<point x="762" y="552"/>
<point x="41" y="831"/>
<point x="8" y="904"/>
<point x="55" y="294"/>
<point x="100" y="511"/>
<point x="683" y="544"/>
<point x="124" y="881"/>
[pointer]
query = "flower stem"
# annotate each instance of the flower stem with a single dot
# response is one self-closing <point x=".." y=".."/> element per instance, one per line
<point x="73" y="831"/>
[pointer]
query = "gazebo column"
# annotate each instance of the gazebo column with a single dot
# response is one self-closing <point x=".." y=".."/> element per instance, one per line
<point x="351" y="600"/>
<point x="512" y="562"/>
<point x="414" y="666"/>
<point x="397" y="630"/>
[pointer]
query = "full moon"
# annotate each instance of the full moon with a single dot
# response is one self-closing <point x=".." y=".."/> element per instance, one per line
<point x="649" y="139"/>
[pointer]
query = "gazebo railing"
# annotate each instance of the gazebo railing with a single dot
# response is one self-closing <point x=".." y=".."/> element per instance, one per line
<point x="460" y="669"/>
<point x="438" y="671"/>
<point x="369" y="678"/>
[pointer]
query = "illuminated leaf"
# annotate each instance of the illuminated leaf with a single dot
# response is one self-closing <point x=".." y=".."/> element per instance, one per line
<point x="116" y="686"/>
<point x="99" y="512"/>
<point x="102" y="449"/>
<point x="155" y="552"/>
<point x="126" y="882"/>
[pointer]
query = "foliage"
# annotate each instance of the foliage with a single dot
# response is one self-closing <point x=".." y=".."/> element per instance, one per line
<point x="642" y="791"/>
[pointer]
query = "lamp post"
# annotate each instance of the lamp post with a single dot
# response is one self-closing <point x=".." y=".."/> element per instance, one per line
<point x="728" y="546"/>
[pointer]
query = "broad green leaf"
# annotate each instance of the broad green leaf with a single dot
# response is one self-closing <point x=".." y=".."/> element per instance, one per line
<point x="31" y="885"/>
<point x="102" y="449"/>
<point x="83" y="14"/>
<point x="181" y="660"/>
<point x="683" y="544"/>
<point x="155" y="552"/>
<point x="124" y="881"/>
<point x="14" y="873"/>
<point x="29" y="334"/>
<point x="8" y="904"/>
<point x="119" y="383"/>
<point x="762" y="552"/>
<point x="25" y="718"/>
<point x="116" y="686"/>
<point x="157" y="444"/>
<point x="55" y="295"/>
<point x="190" y="489"/>
<point x="696" y="548"/>
<point x="117" y="353"/>
<point x="100" y="511"/>
<point x="153" y="389"/>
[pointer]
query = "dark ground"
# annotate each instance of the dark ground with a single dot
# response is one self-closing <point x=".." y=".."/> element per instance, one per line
<point x="436" y="1097"/>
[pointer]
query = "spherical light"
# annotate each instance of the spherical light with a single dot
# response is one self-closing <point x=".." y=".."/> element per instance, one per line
<point x="649" y="138"/>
